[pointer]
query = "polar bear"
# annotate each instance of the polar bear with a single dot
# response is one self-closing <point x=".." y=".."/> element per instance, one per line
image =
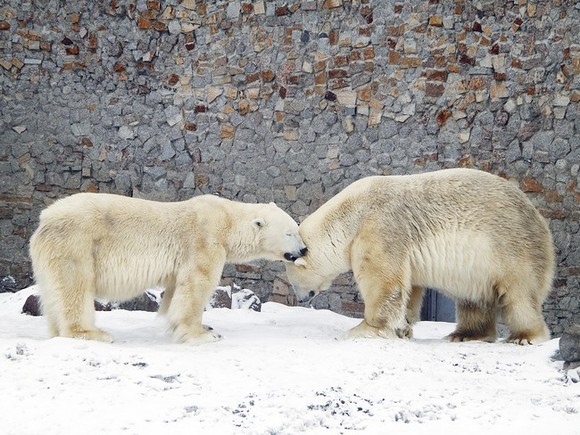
<point x="97" y="245"/>
<point x="472" y="235"/>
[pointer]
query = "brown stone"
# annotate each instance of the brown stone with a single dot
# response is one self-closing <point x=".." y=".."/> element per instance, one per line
<point x="144" y="23"/>
<point x="466" y="60"/>
<point x="434" y="89"/>
<point x="247" y="8"/>
<point x="436" y="21"/>
<point x="201" y="179"/>
<point x="353" y="307"/>
<point x="478" y="83"/>
<point x="190" y="126"/>
<point x="410" y="62"/>
<point x="338" y="83"/>
<point x="228" y="131"/>
<point x="173" y="79"/>
<point x="281" y="11"/>
<point x="337" y="73"/>
<point x="436" y="75"/>
<point x="119" y="67"/>
<point x="46" y="45"/>
<point x="467" y="161"/>
<point x="319" y="66"/>
<point x="354" y="55"/>
<point x="93" y="41"/>
<point x="552" y="196"/>
<point x="91" y="188"/>
<point x="268" y="75"/>
<point x="369" y="53"/>
<point x="499" y="76"/>
<point x="254" y="77"/>
<point x="529" y="184"/>
<point x="154" y="5"/>
<point x="244" y="107"/>
<point x="4" y="25"/>
<point x="330" y="4"/>
<point x="340" y="60"/>
<point x="443" y="116"/>
<point x="159" y="26"/>
<point x="72" y="51"/>
<point x="43" y="187"/>
<point x="333" y="37"/>
<point x="365" y="93"/>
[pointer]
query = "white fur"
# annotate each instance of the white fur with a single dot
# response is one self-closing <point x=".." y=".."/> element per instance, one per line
<point x="470" y="234"/>
<point x="114" y="247"/>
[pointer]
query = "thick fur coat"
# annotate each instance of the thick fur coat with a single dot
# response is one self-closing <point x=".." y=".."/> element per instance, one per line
<point x="91" y="246"/>
<point x="472" y="235"/>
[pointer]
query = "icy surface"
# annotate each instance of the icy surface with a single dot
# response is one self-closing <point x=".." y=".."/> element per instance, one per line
<point x="280" y="371"/>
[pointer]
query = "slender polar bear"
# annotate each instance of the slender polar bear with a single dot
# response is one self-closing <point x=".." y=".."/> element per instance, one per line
<point x="472" y="235"/>
<point x="108" y="246"/>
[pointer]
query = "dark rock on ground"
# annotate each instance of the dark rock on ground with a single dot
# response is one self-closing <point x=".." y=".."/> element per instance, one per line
<point x="145" y="302"/>
<point x="32" y="306"/>
<point x="570" y="344"/>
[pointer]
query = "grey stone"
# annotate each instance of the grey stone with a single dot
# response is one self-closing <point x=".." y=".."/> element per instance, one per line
<point x="126" y="132"/>
<point x="570" y="344"/>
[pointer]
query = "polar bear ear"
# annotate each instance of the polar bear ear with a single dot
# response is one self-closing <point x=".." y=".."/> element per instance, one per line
<point x="259" y="222"/>
<point x="300" y="262"/>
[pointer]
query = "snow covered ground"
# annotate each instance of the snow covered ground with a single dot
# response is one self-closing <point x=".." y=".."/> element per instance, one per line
<point x="282" y="371"/>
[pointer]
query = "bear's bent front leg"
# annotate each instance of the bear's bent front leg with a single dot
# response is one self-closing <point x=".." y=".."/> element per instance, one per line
<point x="190" y="297"/>
<point x="385" y="302"/>
<point x="383" y="279"/>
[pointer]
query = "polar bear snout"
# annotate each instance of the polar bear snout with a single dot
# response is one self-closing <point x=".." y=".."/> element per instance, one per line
<point x="290" y="256"/>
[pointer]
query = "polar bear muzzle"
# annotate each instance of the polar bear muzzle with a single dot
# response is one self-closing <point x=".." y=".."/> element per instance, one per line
<point x="289" y="256"/>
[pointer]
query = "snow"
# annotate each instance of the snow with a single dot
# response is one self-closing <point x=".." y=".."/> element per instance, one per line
<point x="285" y="370"/>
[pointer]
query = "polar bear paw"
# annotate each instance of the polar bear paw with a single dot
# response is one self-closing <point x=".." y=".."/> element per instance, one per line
<point x="91" y="334"/>
<point x="195" y="336"/>
<point x="364" y="330"/>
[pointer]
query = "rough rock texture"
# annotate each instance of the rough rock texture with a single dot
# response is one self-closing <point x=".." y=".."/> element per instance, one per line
<point x="570" y="344"/>
<point x="234" y="297"/>
<point x="286" y="102"/>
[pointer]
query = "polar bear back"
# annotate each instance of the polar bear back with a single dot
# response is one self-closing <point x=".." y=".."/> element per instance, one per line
<point x="110" y="237"/>
<point x="459" y="230"/>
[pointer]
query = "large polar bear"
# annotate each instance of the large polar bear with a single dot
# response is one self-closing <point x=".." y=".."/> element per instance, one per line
<point x="470" y="234"/>
<point x="93" y="245"/>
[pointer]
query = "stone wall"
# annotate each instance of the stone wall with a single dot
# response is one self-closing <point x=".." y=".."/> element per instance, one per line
<point x="286" y="102"/>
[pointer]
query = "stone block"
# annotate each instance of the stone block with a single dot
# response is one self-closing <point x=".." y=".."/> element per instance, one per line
<point x="570" y="344"/>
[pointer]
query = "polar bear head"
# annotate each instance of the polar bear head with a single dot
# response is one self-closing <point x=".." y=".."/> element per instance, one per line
<point x="277" y="235"/>
<point x="310" y="274"/>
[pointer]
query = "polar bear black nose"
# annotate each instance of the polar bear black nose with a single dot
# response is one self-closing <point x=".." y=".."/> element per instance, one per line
<point x="292" y="257"/>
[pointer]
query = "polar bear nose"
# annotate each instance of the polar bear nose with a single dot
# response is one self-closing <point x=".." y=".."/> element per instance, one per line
<point x="290" y="256"/>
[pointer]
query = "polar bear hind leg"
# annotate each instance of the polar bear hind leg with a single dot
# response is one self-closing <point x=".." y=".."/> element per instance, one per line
<point x="524" y="319"/>
<point x="67" y="300"/>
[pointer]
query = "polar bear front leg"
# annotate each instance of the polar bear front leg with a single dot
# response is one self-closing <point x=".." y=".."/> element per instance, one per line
<point x="384" y="315"/>
<point x="186" y="307"/>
